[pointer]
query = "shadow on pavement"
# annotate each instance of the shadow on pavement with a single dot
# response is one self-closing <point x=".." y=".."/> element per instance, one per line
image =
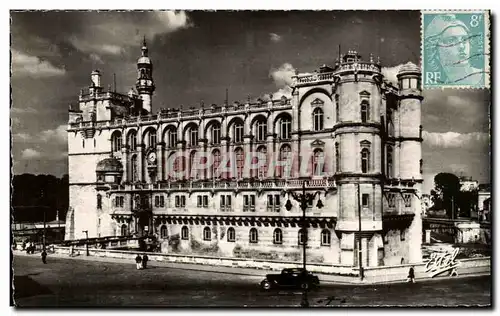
<point x="24" y="286"/>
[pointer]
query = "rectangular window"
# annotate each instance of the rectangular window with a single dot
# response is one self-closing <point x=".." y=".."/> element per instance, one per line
<point x="162" y="201"/>
<point x="157" y="201"/>
<point x="245" y="202"/>
<point x="228" y="201"/>
<point x="199" y="201"/>
<point x="252" y="202"/>
<point x="183" y="201"/>
<point x="222" y="201"/>
<point x="270" y="202"/>
<point x="238" y="133"/>
<point x="365" y="200"/>
<point x="277" y="201"/>
<point x="205" y="201"/>
<point x="177" y="201"/>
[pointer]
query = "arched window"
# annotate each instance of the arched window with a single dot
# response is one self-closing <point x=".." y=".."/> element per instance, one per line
<point x="337" y="157"/>
<point x="207" y="233"/>
<point x="260" y="130"/>
<point x="365" y="111"/>
<point x="302" y="236"/>
<point x="132" y="141"/>
<point x="277" y="236"/>
<point x="163" y="232"/>
<point x="389" y="162"/>
<point x="133" y="170"/>
<point x="285" y="155"/>
<point x="254" y="235"/>
<point x="193" y="136"/>
<point x="262" y="152"/>
<point x="151" y="138"/>
<point x="238" y="132"/>
<point x="390" y="124"/>
<point x="172" y="138"/>
<point x="325" y="237"/>
<point x="365" y="160"/>
<point x="215" y="131"/>
<point x="184" y="233"/>
<point x="231" y="235"/>
<point x="317" y="119"/>
<point x="216" y="162"/>
<point x="116" y="141"/>
<point x="240" y="162"/>
<point x="124" y="230"/>
<point x="285" y="128"/>
<point x="318" y="162"/>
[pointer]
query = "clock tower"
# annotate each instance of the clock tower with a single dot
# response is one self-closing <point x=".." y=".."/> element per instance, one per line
<point x="145" y="84"/>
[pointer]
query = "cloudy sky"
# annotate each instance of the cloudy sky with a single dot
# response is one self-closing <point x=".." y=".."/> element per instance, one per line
<point x="197" y="55"/>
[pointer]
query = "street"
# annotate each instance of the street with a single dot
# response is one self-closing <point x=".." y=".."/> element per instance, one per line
<point x="75" y="283"/>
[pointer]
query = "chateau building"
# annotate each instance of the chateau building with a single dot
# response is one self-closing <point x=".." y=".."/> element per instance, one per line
<point x="349" y="135"/>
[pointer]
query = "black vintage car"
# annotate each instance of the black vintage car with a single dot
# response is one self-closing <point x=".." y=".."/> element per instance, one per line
<point x="290" y="278"/>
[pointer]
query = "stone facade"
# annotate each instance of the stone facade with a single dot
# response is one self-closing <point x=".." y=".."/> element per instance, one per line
<point x="353" y="137"/>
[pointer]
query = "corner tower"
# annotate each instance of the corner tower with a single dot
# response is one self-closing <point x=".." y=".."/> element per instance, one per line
<point x="145" y="85"/>
<point x="409" y="150"/>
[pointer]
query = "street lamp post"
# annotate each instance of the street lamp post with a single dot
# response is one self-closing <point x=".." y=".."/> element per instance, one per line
<point x="304" y="199"/>
<point x="87" y="241"/>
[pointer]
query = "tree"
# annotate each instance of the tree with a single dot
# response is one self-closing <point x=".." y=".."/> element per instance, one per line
<point x="446" y="192"/>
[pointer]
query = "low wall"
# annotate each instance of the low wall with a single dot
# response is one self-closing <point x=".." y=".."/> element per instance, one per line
<point x="400" y="272"/>
<point x="214" y="261"/>
<point x="371" y="274"/>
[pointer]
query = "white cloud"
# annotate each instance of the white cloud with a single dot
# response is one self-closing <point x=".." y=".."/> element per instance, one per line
<point x="16" y="110"/>
<point x="57" y="135"/>
<point x="23" y="64"/>
<point x="111" y="34"/>
<point x="96" y="58"/>
<point x="172" y="20"/>
<point x="275" y="37"/>
<point x="454" y="140"/>
<point x="29" y="153"/>
<point x="21" y="137"/>
<point x="283" y="79"/>
<point x="390" y="73"/>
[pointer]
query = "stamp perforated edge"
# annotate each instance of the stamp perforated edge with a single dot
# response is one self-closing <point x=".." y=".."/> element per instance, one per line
<point x="487" y="60"/>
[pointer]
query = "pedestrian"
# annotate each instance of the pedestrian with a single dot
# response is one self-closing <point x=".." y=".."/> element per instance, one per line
<point x="24" y="245"/>
<point x="138" y="262"/>
<point x="411" y="275"/>
<point x="145" y="261"/>
<point x="44" y="256"/>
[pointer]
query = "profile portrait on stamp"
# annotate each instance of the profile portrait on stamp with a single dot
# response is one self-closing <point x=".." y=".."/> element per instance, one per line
<point x="454" y="50"/>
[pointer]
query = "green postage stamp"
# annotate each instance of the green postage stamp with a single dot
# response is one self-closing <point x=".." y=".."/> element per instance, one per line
<point x="456" y="49"/>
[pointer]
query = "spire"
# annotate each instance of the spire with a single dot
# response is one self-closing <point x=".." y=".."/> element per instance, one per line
<point x="144" y="47"/>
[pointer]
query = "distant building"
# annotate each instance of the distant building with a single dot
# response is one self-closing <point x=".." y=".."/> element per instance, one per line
<point x="426" y="203"/>
<point x="467" y="184"/>
<point x="347" y="121"/>
<point x="484" y="202"/>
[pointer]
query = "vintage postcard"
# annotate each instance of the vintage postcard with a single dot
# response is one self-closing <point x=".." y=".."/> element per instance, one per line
<point x="251" y="158"/>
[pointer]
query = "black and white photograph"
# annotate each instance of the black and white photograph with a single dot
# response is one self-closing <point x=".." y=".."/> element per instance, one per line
<point x="249" y="158"/>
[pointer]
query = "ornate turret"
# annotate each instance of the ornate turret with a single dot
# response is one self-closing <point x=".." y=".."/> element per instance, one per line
<point x="109" y="170"/>
<point x="145" y="85"/>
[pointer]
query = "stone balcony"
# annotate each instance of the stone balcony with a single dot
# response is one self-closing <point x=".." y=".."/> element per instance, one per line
<point x="172" y="115"/>
<point x="227" y="185"/>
